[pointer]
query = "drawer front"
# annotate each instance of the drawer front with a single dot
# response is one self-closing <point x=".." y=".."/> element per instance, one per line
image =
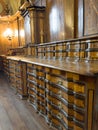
<point x="79" y="88"/>
<point x="92" y="55"/>
<point x="80" y="116"/>
<point x="68" y="110"/>
<point x="79" y="102"/>
<point x="73" y="54"/>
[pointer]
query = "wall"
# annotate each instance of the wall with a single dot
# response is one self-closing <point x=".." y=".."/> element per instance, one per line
<point x="21" y="34"/>
<point x="60" y="19"/>
<point x="27" y="28"/>
<point x="5" y="44"/>
<point x="90" y="17"/>
<point x="64" y="19"/>
<point x="79" y="18"/>
<point x="86" y="17"/>
<point x="71" y="18"/>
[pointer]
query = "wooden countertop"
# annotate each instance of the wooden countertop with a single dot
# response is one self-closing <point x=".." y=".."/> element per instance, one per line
<point x="82" y="68"/>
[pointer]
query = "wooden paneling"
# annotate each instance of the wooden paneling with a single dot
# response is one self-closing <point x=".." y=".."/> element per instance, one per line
<point x="5" y="44"/>
<point x="90" y="17"/>
<point x="37" y="24"/>
<point x="34" y="25"/>
<point x="27" y="29"/>
<point x="61" y="19"/>
<point x="21" y="31"/>
<point x="78" y="19"/>
<point x="14" y="28"/>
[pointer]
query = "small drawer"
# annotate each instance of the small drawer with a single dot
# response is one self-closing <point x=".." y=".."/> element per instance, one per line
<point x="83" y="45"/>
<point x="74" y="45"/>
<point x="69" y="122"/>
<point x="56" y="101"/>
<point x="79" y="102"/>
<point x="69" y="75"/>
<point x="49" y="116"/>
<point x="42" y="109"/>
<point x="41" y="74"/>
<point x="79" y="116"/>
<point x="42" y="83"/>
<point x="32" y="100"/>
<point x="73" y="54"/>
<point x="77" y="126"/>
<point x="53" y="89"/>
<point x="55" y="71"/>
<point x="31" y="92"/>
<point x="56" y="122"/>
<point x="79" y="88"/>
<point x="49" y="106"/>
<point x="92" y="44"/>
<point x="67" y="109"/>
<point x="30" y="77"/>
<point x="40" y="99"/>
<point x="69" y="98"/>
<point x="60" y="46"/>
<point x="82" y="54"/>
<point x="30" y="85"/>
<point x="68" y="84"/>
<point x="42" y="92"/>
<point x="54" y="111"/>
<point x="92" y="55"/>
<point x="50" y="98"/>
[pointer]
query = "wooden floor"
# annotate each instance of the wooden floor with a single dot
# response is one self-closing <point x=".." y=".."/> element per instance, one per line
<point x="17" y="114"/>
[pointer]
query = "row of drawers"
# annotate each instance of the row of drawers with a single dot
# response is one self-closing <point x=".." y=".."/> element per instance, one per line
<point x="60" y="96"/>
<point x="17" y="72"/>
<point x="61" y="100"/>
<point x="76" y="50"/>
<point x="79" y="55"/>
<point x="83" y="50"/>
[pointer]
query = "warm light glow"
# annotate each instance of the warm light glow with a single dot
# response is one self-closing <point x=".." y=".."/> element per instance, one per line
<point x="22" y="33"/>
<point x="8" y="33"/>
<point x="16" y="33"/>
<point x="54" y="20"/>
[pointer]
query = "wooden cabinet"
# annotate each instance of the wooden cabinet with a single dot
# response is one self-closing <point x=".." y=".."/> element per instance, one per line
<point x="1" y="64"/>
<point x="5" y="66"/>
<point x="91" y="50"/>
<point x="34" y="24"/>
<point x="66" y="99"/>
<point x="63" y="98"/>
<point x="21" y="83"/>
<point x="36" y="87"/>
<point x="66" y="103"/>
<point x="12" y="76"/>
<point x="61" y="82"/>
<point x="17" y="77"/>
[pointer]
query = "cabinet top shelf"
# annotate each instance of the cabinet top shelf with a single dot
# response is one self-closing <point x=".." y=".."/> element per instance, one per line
<point x="82" y="68"/>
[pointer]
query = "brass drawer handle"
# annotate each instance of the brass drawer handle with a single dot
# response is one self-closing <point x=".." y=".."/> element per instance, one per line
<point x="60" y="82"/>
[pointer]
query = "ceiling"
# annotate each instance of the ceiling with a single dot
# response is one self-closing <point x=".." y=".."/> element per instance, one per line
<point x="9" y="7"/>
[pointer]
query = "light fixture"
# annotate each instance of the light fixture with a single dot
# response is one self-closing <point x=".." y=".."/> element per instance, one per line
<point x="9" y="34"/>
